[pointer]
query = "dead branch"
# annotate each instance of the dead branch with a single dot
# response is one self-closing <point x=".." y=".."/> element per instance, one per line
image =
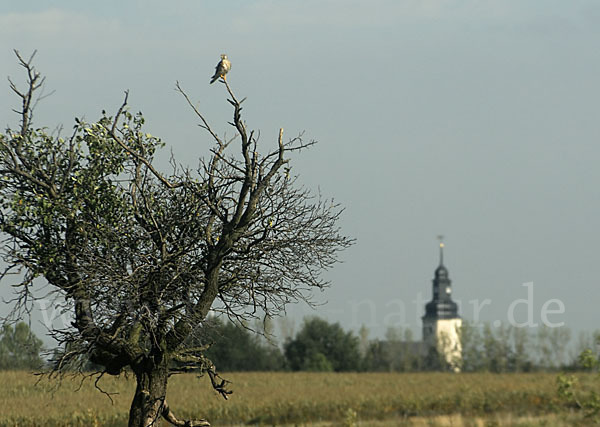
<point x="137" y="156"/>
<point x="219" y="384"/>
<point x="170" y="417"/>
<point x="34" y="82"/>
<point x="204" y="124"/>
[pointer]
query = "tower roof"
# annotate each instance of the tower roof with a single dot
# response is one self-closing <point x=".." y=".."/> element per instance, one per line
<point x="441" y="306"/>
<point x="441" y="272"/>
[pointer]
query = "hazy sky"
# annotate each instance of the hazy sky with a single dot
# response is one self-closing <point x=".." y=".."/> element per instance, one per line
<point x="473" y="119"/>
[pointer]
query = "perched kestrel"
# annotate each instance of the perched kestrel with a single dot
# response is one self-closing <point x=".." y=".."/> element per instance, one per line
<point x="221" y="69"/>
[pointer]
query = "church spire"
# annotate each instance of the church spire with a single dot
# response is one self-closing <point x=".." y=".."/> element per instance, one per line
<point x="441" y="239"/>
<point x="441" y="305"/>
<point x="441" y="322"/>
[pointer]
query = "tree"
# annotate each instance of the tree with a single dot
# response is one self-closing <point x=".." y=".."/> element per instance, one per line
<point x="322" y="346"/>
<point x="496" y="346"/>
<point x="141" y="256"/>
<point x="19" y="348"/>
<point x="398" y="352"/>
<point x="237" y="348"/>
<point x="568" y="386"/>
<point x="519" y="360"/>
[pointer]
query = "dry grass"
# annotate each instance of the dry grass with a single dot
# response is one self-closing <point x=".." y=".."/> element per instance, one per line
<point x="364" y="399"/>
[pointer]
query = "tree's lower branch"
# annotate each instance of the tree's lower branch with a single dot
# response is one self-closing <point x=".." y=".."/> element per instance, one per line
<point x="170" y="417"/>
<point x="198" y="360"/>
<point x="219" y="386"/>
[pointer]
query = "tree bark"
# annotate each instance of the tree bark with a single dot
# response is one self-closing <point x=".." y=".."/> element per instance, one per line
<point x="147" y="406"/>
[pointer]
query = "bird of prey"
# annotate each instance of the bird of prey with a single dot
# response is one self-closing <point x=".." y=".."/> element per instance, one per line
<point x="221" y="69"/>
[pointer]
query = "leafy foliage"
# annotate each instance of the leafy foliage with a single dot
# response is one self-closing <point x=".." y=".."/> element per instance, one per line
<point x="570" y="390"/>
<point x="512" y="349"/>
<point x="322" y="346"/>
<point x="236" y="348"/>
<point x="395" y="354"/>
<point x="588" y="360"/>
<point x="19" y="348"/>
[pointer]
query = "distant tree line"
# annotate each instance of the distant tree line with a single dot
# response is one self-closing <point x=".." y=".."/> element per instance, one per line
<point x="19" y="348"/>
<point x="486" y="348"/>
<point x="323" y="346"/>
<point x="318" y="346"/>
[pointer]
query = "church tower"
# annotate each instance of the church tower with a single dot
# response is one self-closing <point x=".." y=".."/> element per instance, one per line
<point x="441" y="322"/>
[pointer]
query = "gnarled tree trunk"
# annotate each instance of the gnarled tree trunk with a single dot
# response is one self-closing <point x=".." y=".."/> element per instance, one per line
<point x="147" y="406"/>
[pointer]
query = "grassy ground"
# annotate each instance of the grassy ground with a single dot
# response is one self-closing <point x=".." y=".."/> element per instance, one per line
<point x="322" y="399"/>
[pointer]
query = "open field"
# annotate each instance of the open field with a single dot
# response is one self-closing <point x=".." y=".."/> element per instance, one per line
<point x="365" y="399"/>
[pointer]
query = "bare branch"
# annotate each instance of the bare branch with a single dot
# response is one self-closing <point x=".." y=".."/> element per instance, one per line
<point x="119" y="112"/>
<point x="170" y="417"/>
<point x="142" y="159"/>
<point x="205" y="124"/>
<point x="34" y="82"/>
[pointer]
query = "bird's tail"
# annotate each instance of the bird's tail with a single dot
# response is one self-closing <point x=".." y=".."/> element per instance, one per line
<point x="214" y="79"/>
